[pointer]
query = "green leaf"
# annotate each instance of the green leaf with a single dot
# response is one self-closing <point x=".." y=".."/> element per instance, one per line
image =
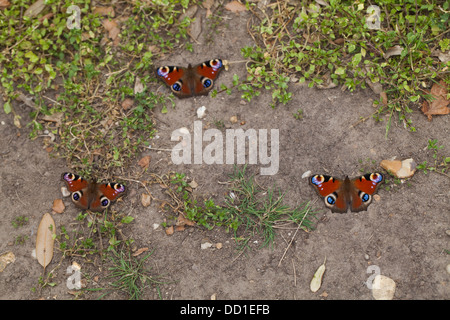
<point x="30" y="55"/>
<point x="127" y="219"/>
<point x="7" y="107"/>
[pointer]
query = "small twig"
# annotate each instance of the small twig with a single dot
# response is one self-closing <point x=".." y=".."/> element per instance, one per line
<point x="295" y="233"/>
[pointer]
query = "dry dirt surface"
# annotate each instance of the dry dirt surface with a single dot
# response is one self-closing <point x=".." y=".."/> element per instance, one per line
<point x="403" y="234"/>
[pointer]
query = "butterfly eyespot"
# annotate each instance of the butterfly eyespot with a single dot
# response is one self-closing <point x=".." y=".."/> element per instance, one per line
<point x="119" y="187"/>
<point x="364" y="196"/>
<point x="104" y="202"/>
<point x="376" y="177"/>
<point x="76" y="196"/>
<point x="216" y="63"/>
<point x="176" y="86"/>
<point x="163" y="71"/>
<point x="317" y="179"/>
<point x="207" y="82"/>
<point x="330" y="199"/>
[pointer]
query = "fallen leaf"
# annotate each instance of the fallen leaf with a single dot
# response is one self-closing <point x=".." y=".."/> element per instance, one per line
<point x="394" y="51"/>
<point x="4" y="4"/>
<point x="47" y="16"/>
<point x="55" y="117"/>
<point x="195" y="28"/>
<point x="127" y="104"/>
<point x="439" y="105"/>
<point x="339" y="41"/>
<point x="35" y="9"/>
<point x="58" y="206"/>
<point x="169" y="230"/>
<point x="316" y="281"/>
<point x="104" y="11"/>
<point x="383" y="98"/>
<point x="182" y="221"/>
<point x="235" y="6"/>
<point x="6" y="258"/>
<point x="44" y="240"/>
<point x="138" y="86"/>
<point x="146" y="199"/>
<point x="193" y="184"/>
<point x="139" y="251"/>
<point x="144" y="162"/>
<point x="207" y="4"/>
<point x="113" y="30"/>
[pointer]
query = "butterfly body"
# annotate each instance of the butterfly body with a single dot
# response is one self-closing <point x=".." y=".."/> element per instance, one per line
<point x="191" y="81"/>
<point x="340" y="195"/>
<point x="91" y="195"/>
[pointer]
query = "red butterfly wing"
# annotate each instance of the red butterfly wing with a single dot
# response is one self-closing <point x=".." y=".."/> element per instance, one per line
<point x="209" y="69"/>
<point x="74" y="182"/>
<point x="331" y="189"/>
<point x="105" y="194"/>
<point x="363" y="188"/>
<point x="177" y="79"/>
<point x="79" y="188"/>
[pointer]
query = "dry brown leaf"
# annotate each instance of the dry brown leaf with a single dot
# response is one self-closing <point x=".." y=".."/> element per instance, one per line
<point x="104" y="11"/>
<point x="339" y="41"/>
<point x="439" y="105"/>
<point x="5" y="259"/>
<point x="235" y="6"/>
<point x="127" y="104"/>
<point x="113" y="30"/>
<point x="44" y="240"/>
<point x="169" y="230"/>
<point x="144" y="162"/>
<point x="4" y="4"/>
<point x="138" y="86"/>
<point x="58" y="206"/>
<point x="182" y="221"/>
<point x="35" y="9"/>
<point x="207" y="4"/>
<point x="394" y="51"/>
<point x="139" y="251"/>
<point x="383" y="97"/>
<point x="146" y="199"/>
<point x="47" y="16"/>
<point x="56" y="117"/>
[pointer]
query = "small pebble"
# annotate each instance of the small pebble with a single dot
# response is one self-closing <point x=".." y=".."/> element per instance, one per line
<point x="448" y="268"/>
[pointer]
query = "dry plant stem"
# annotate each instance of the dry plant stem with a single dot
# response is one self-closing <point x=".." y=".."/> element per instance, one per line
<point x="293" y="237"/>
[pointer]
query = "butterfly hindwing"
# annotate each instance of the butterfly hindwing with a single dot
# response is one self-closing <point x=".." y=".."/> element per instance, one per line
<point x="363" y="188"/>
<point x="329" y="188"/>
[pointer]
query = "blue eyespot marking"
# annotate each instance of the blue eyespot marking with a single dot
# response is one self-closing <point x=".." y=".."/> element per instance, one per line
<point x="365" y="197"/>
<point x="331" y="200"/>
<point x="207" y="83"/>
<point x="176" y="87"/>
<point x="376" y="177"/>
<point x="105" y="202"/>
<point x="76" y="196"/>
<point x="317" y="179"/>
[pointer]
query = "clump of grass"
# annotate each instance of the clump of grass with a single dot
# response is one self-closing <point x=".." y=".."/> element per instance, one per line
<point x="249" y="210"/>
<point x="261" y="211"/>
<point x="130" y="274"/>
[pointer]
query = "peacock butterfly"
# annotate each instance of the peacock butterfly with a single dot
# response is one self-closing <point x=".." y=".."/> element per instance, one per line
<point x="191" y="81"/>
<point x="339" y="195"/>
<point x="91" y="195"/>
